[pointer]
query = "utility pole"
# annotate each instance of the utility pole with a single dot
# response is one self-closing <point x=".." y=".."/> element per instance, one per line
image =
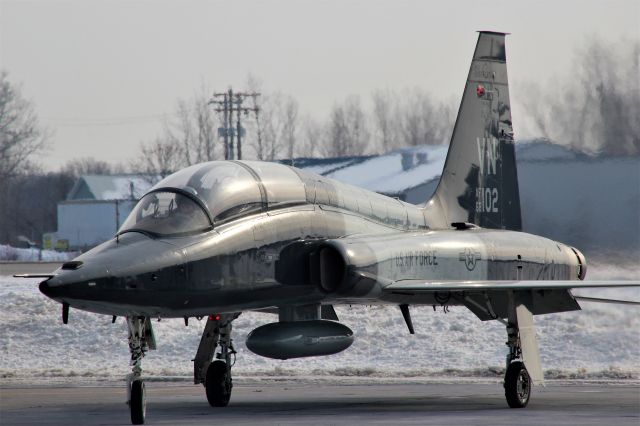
<point x="223" y="108"/>
<point x="228" y="125"/>
<point x="232" y="102"/>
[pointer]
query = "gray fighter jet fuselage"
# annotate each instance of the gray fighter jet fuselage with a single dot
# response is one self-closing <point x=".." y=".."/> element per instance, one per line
<point x="319" y="241"/>
<point x="219" y="238"/>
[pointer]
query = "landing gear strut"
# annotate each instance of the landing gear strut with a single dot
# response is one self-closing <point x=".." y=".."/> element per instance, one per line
<point x="141" y="339"/>
<point x="517" y="382"/>
<point x="523" y="360"/>
<point x="216" y="375"/>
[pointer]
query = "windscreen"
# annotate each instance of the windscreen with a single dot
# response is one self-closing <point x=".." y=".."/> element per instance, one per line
<point x="166" y="214"/>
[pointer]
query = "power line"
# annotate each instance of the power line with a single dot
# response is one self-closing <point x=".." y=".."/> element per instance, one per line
<point x="106" y="121"/>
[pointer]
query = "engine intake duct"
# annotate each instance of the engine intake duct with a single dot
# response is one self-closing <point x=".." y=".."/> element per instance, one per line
<point x="317" y="263"/>
<point x="328" y="269"/>
<point x="582" y="263"/>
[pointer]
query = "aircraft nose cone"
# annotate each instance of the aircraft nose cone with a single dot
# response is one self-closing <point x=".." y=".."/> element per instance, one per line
<point x="45" y="288"/>
<point x="51" y="288"/>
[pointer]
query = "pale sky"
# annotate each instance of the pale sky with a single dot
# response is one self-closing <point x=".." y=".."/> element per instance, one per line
<point x="102" y="73"/>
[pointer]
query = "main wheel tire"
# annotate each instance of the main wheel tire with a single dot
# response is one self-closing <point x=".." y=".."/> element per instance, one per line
<point x="138" y="403"/>
<point x="517" y="385"/>
<point x="218" y="384"/>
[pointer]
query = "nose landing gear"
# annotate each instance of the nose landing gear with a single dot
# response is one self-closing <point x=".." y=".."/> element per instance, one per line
<point x="216" y="375"/>
<point x="141" y="339"/>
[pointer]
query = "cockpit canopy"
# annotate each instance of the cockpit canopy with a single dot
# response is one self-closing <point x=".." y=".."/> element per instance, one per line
<point x="221" y="191"/>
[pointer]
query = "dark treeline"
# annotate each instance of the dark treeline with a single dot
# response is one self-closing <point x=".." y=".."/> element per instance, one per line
<point x="595" y="109"/>
<point x="28" y="201"/>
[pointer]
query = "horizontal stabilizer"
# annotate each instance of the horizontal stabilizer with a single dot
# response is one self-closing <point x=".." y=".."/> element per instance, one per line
<point x="417" y="286"/>
<point x="600" y="300"/>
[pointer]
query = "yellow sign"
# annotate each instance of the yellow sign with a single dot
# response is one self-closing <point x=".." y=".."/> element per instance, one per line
<point x="62" y="245"/>
<point x="47" y="242"/>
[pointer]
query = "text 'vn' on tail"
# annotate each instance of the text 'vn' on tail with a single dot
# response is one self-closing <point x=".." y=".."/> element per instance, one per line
<point x="479" y="183"/>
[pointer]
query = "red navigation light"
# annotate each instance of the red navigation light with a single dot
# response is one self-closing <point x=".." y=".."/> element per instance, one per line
<point x="480" y="90"/>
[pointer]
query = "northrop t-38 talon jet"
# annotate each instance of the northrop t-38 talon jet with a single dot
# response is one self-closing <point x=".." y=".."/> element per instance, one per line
<point x="220" y="238"/>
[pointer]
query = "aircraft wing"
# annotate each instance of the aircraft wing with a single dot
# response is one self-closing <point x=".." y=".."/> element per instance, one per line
<point x="417" y="286"/>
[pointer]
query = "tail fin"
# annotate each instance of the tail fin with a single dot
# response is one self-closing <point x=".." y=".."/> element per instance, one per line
<point x="479" y="183"/>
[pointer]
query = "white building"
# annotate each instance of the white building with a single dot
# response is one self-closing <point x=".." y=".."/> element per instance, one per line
<point x="95" y="208"/>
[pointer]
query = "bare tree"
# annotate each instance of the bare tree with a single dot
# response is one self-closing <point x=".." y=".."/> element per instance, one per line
<point x="272" y="125"/>
<point x="290" y="125"/>
<point x="421" y="121"/>
<point x="275" y="126"/>
<point x="32" y="209"/>
<point x="194" y="129"/>
<point x="87" y="166"/>
<point x="189" y="138"/>
<point x="337" y="138"/>
<point x="384" y="119"/>
<point x="254" y="85"/>
<point x="596" y="108"/>
<point x="21" y="135"/>
<point x="158" y="158"/>
<point x="347" y="129"/>
<point x="311" y="139"/>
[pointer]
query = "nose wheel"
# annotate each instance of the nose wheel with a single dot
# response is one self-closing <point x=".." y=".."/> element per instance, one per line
<point x="137" y="403"/>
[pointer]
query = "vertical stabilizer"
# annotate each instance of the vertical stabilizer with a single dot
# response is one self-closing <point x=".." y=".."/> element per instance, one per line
<point x="479" y="183"/>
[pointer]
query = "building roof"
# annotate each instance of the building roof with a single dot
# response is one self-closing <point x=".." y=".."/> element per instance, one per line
<point x="396" y="171"/>
<point x="111" y="187"/>
<point x="406" y="168"/>
<point x="391" y="173"/>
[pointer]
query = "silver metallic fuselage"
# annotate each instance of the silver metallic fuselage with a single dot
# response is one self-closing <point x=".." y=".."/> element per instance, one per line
<point x="271" y="258"/>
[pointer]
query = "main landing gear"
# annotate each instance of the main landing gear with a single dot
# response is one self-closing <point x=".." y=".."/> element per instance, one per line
<point x="517" y="382"/>
<point x="215" y="375"/>
<point x="141" y="339"/>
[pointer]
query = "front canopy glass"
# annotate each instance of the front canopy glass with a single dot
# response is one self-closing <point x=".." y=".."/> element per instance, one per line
<point x="164" y="213"/>
<point x="227" y="189"/>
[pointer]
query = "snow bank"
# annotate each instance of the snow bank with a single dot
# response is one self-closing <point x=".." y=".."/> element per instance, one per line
<point x="33" y="254"/>
<point x="601" y="342"/>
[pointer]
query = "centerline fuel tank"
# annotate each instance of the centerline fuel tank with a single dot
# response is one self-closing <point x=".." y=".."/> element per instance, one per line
<point x="297" y="339"/>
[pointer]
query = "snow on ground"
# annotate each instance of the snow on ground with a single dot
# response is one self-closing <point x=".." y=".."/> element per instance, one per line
<point x="601" y="342"/>
<point x="34" y="254"/>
